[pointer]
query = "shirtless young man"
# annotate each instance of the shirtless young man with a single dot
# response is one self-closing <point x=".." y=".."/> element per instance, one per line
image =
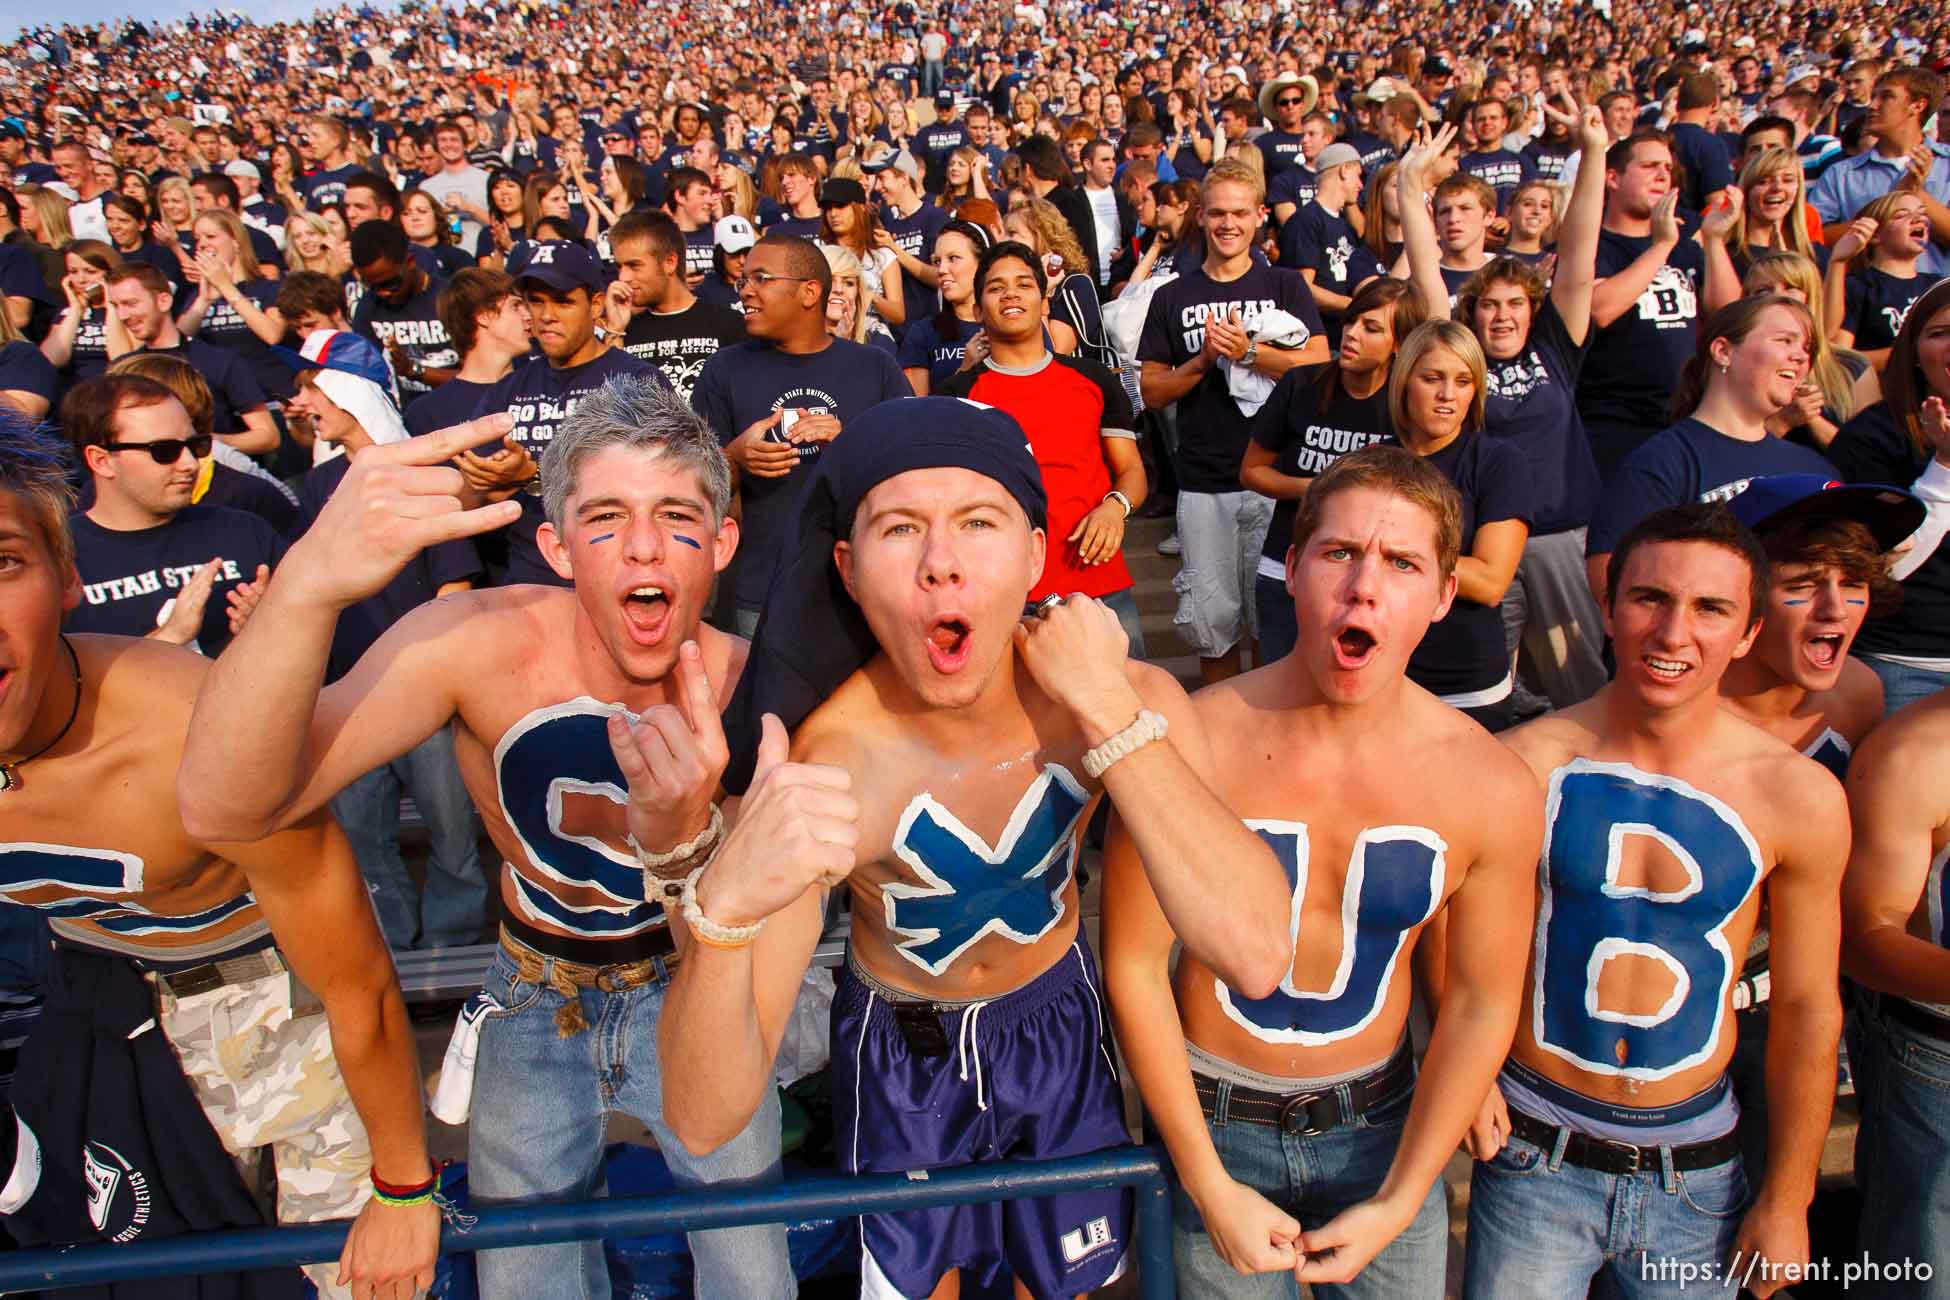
<point x="1827" y="546"/>
<point x="1608" y="1143"/>
<point x="537" y="680"/>
<point x="181" y="963"/>
<point x="968" y="1023"/>
<point x="1895" y="928"/>
<point x="1311" y="751"/>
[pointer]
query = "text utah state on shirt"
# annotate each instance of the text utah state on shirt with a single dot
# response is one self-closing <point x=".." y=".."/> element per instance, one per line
<point x="153" y="580"/>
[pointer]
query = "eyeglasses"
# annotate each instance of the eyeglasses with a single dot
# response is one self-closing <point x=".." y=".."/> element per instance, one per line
<point x="763" y="278"/>
<point x="1295" y="102"/>
<point x="166" y="451"/>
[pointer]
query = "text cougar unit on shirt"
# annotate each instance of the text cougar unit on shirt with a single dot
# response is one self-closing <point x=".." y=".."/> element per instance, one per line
<point x="1192" y="320"/>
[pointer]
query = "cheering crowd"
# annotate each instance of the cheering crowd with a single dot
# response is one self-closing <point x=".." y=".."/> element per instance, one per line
<point x="696" y="442"/>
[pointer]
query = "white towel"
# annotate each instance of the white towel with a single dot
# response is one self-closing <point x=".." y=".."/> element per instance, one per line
<point x="1250" y="388"/>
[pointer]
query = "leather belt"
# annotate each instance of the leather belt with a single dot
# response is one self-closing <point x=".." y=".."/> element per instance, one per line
<point x="262" y="964"/>
<point x="1908" y="1014"/>
<point x="1306" y="1114"/>
<point x="1605" y="1156"/>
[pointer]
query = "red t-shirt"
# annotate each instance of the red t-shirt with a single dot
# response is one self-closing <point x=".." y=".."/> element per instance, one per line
<point x="1067" y="406"/>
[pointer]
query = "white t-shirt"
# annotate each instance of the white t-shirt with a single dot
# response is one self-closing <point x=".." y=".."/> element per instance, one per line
<point x="470" y="183"/>
<point x="1103" y="207"/>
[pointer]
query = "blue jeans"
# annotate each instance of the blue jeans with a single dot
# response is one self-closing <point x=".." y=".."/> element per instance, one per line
<point x="1124" y="605"/>
<point x="1313" y="1179"/>
<point x="1903" y="683"/>
<point x="1278" y="630"/>
<point x="536" y="1134"/>
<point x="451" y="909"/>
<point x="1902" y="1157"/>
<point x="1543" y="1228"/>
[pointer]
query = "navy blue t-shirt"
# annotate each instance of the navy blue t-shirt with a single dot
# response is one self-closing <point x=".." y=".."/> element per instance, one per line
<point x="1305" y="439"/>
<point x="324" y="188"/>
<point x="1280" y="149"/>
<point x="539" y="396"/>
<point x="23" y="369"/>
<point x="915" y="235"/>
<point x="233" y="388"/>
<point x="255" y="493"/>
<point x="1211" y="429"/>
<point x="1635" y="360"/>
<point x="1877" y="304"/>
<point x="454" y="402"/>
<point x="923" y="348"/>
<point x="1530" y="402"/>
<point x="1323" y="242"/>
<point x="1296" y="184"/>
<point x="89" y="357"/>
<point x="748" y="381"/>
<point x="416" y="326"/>
<point x="1502" y="170"/>
<point x="700" y="248"/>
<point x="804" y="227"/>
<point x="223" y="327"/>
<point x="1691" y="461"/>
<point x="1547" y="160"/>
<point x="1873" y="448"/>
<point x="1465" y="650"/>
<point x="1704" y="165"/>
<point x="420" y="581"/>
<point x="128" y="576"/>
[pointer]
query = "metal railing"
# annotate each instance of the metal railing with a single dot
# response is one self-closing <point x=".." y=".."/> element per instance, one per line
<point x="1140" y="1168"/>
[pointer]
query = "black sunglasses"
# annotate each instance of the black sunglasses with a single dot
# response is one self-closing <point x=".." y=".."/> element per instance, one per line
<point x="1288" y="103"/>
<point x="167" y="451"/>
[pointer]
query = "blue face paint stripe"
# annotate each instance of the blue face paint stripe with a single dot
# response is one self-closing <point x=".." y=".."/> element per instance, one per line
<point x="1802" y="601"/>
<point x="691" y="542"/>
<point x="604" y="538"/>
<point x="1853" y="601"/>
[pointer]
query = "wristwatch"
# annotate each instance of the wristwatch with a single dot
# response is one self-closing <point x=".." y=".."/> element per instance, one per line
<point x="1252" y="353"/>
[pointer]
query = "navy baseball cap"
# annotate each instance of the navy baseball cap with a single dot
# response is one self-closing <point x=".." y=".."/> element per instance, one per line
<point x="1889" y="513"/>
<point x="560" y="264"/>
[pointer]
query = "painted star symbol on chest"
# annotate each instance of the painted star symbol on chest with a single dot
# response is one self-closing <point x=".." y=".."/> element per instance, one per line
<point x="970" y="889"/>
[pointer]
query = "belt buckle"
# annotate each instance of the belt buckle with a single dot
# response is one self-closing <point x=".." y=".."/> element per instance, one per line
<point x="1631" y="1155"/>
<point x="1303" y="1104"/>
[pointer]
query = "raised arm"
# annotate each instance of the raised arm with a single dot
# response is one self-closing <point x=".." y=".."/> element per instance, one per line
<point x="796" y="835"/>
<point x="1418" y="226"/>
<point x="1616" y="294"/>
<point x="1249" y="1232"/>
<point x="1220" y="886"/>
<point x="1487" y="940"/>
<point x="265" y="748"/>
<point x="1577" y="238"/>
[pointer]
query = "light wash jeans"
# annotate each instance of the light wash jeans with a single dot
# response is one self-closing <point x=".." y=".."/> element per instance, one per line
<point x="450" y="911"/>
<point x="1904" y="683"/>
<point x="1543" y="1229"/>
<point x="1902" y="1159"/>
<point x="1313" y="1179"/>
<point x="536" y="1135"/>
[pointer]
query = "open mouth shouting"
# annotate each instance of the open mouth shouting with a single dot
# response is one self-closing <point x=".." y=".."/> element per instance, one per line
<point x="1823" y="650"/>
<point x="1354" y="648"/>
<point x="949" y="641"/>
<point x="646" y="614"/>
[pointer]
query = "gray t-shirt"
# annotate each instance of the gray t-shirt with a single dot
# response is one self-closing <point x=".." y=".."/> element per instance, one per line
<point x="470" y="183"/>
